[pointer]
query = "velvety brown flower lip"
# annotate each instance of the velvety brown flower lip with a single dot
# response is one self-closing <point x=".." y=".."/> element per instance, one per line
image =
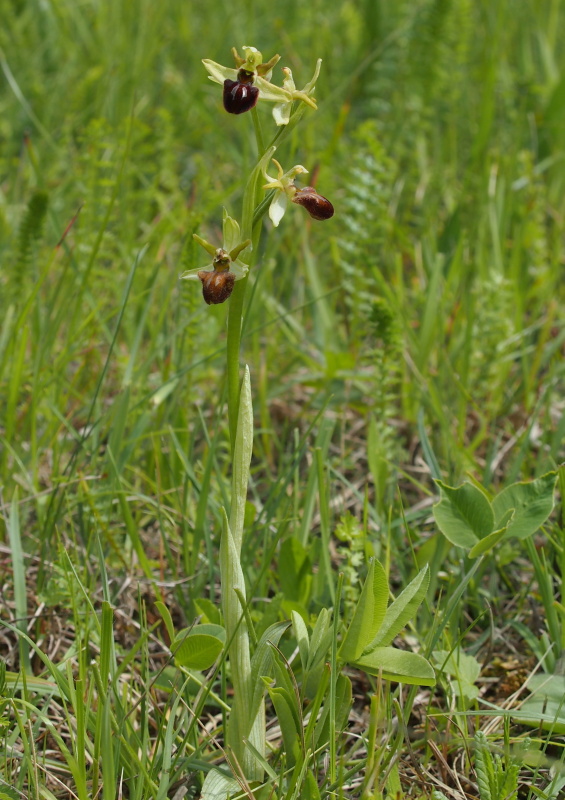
<point x="318" y="206"/>
<point x="240" y="95"/>
<point x="216" y="286"/>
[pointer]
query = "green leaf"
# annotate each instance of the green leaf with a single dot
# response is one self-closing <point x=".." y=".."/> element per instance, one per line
<point x="310" y="789"/>
<point x="393" y="784"/>
<point x="545" y="708"/>
<point x="532" y="502"/>
<point x="301" y="635"/>
<point x="398" y="665"/>
<point x="9" y="794"/>
<point x="343" y="703"/>
<point x="287" y="723"/>
<point x="321" y="639"/>
<point x="463" y="668"/>
<point x="218" y="786"/>
<point x="550" y="686"/>
<point x="537" y="712"/>
<point x="368" y="615"/>
<point x="295" y="571"/>
<point x="463" y="514"/>
<point x="199" y="647"/>
<point x="38" y="685"/>
<point x="208" y="610"/>
<point x="490" y="541"/>
<point x="241" y="461"/>
<point x="166" y="617"/>
<point x="402" y="609"/>
<point x="262" y="663"/>
<point x="285" y="683"/>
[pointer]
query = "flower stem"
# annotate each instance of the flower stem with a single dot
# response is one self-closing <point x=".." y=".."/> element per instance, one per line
<point x="235" y="314"/>
<point x="252" y="228"/>
<point x="258" y="132"/>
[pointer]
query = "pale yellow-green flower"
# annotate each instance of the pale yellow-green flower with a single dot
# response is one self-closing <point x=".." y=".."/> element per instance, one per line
<point x="253" y="70"/>
<point x="283" y="185"/>
<point x="226" y="267"/>
<point x="281" y="112"/>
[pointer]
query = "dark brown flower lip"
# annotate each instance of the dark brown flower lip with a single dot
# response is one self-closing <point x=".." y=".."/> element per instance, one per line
<point x="318" y="206"/>
<point x="216" y="286"/>
<point x="240" y="95"/>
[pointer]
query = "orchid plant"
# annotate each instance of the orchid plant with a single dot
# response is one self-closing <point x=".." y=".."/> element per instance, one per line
<point x="366" y="642"/>
<point x="223" y="279"/>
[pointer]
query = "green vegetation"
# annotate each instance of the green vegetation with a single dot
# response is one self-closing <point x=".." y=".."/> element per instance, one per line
<point x="401" y="517"/>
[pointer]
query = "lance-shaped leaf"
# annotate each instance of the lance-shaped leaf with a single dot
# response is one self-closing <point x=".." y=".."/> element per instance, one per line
<point x="232" y="578"/>
<point x="241" y="723"/>
<point x="321" y="638"/>
<point x="262" y="662"/>
<point x="368" y="615"/>
<point x="398" y="665"/>
<point x="463" y="514"/>
<point x="402" y="609"/>
<point x="283" y="705"/>
<point x="301" y="635"/>
<point x="343" y="700"/>
<point x="532" y="502"/>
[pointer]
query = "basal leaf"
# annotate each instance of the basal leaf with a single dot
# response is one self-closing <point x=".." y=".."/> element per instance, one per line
<point x="283" y="708"/>
<point x="200" y="647"/>
<point x="166" y="617"/>
<point x="532" y="502"/>
<point x="218" y="786"/>
<point x="545" y="708"/>
<point x="295" y="571"/>
<point x="343" y="700"/>
<point x="490" y="541"/>
<point x="262" y="663"/>
<point x="462" y="668"/>
<point x="321" y="638"/>
<point x="310" y="789"/>
<point x="301" y="635"/>
<point x="402" y="609"/>
<point x="368" y="615"/>
<point x="9" y="794"/>
<point x="398" y="665"/>
<point x="463" y="514"/>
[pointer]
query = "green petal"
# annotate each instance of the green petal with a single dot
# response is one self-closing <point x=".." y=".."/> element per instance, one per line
<point x="203" y="243"/>
<point x="232" y="235"/>
<point x="239" y="248"/>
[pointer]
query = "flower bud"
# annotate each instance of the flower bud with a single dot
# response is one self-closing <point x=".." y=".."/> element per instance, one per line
<point x="216" y="286"/>
<point x="316" y="205"/>
<point x="240" y="95"/>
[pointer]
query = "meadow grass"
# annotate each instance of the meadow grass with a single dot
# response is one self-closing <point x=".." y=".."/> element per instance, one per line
<point x="417" y="335"/>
